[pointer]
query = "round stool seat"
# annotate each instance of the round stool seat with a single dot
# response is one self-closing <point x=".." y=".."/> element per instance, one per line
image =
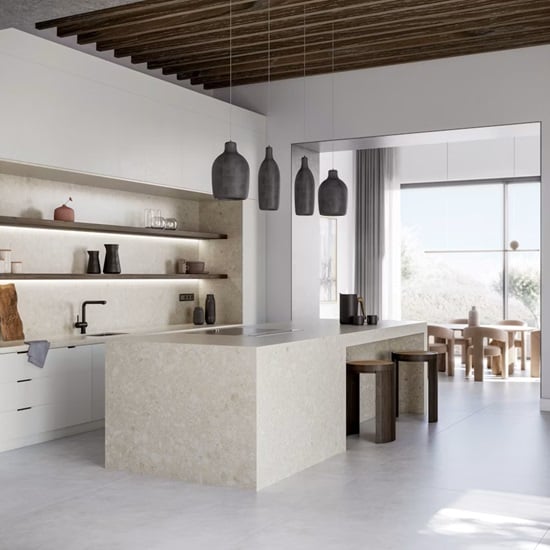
<point x="370" y="365"/>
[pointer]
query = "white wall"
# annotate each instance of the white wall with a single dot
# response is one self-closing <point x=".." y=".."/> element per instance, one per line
<point x="478" y="90"/>
<point x="476" y="159"/>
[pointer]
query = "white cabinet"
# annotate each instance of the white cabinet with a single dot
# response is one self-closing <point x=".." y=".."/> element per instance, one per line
<point x="37" y="404"/>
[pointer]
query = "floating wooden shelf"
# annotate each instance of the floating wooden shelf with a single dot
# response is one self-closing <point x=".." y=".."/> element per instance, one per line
<point x="101" y="277"/>
<point x="102" y="228"/>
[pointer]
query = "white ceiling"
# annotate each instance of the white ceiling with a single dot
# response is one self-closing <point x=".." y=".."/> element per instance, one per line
<point x="23" y="14"/>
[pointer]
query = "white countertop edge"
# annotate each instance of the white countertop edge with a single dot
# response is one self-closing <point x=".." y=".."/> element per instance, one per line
<point x="307" y="330"/>
<point x="190" y="334"/>
<point x="63" y="341"/>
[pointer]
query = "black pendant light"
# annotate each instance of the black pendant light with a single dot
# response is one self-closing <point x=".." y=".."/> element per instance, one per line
<point x="230" y="175"/>
<point x="230" y="171"/>
<point x="269" y="177"/>
<point x="269" y="182"/>
<point x="304" y="184"/>
<point x="333" y="193"/>
<point x="304" y="190"/>
<point x="333" y="196"/>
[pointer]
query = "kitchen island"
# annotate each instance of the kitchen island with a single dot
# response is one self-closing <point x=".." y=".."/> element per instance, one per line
<point x="245" y="407"/>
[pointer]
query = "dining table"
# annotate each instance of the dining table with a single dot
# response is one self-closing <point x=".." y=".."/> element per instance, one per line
<point x="509" y="356"/>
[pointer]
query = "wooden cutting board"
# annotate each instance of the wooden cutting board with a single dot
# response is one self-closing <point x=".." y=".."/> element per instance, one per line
<point x="11" y="326"/>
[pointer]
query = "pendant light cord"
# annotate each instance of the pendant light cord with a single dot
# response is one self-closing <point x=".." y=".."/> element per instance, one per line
<point x="230" y="70"/>
<point x="268" y="70"/>
<point x="332" y="94"/>
<point x="304" y="72"/>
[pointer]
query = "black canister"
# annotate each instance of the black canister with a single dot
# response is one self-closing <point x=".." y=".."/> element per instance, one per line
<point x="210" y="309"/>
<point x="348" y="308"/>
<point x="93" y="262"/>
<point x="198" y="316"/>
<point x="112" y="262"/>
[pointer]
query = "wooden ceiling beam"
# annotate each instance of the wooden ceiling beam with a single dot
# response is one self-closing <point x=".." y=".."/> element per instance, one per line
<point x="324" y="58"/>
<point x="189" y="8"/>
<point x="244" y="39"/>
<point x="191" y="38"/>
<point x="333" y="12"/>
<point x="357" y="38"/>
<point x="413" y="56"/>
<point x="247" y="16"/>
<point x="105" y="14"/>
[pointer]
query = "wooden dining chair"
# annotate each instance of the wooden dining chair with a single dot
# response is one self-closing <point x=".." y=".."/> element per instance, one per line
<point x="479" y="347"/>
<point x="459" y="338"/>
<point x="535" y="353"/>
<point x="518" y="339"/>
<point x="442" y="340"/>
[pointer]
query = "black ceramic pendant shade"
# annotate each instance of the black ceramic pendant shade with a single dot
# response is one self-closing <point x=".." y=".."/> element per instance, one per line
<point x="269" y="181"/>
<point x="230" y="175"/>
<point x="304" y="190"/>
<point x="333" y="196"/>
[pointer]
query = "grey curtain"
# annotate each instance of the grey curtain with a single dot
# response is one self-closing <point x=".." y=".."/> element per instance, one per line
<point x="369" y="227"/>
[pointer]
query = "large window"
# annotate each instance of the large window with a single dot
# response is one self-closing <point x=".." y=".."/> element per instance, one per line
<point x="471" y="244"/>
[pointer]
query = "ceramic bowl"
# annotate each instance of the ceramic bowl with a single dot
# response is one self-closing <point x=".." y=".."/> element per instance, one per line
<point x="195" y="267"/>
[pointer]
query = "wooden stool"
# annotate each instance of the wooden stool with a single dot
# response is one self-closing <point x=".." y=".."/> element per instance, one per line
<point x="385" y="396"/>
<point x="429" y="357"/>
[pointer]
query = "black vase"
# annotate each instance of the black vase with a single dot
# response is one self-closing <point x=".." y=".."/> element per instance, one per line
<point x="198" y="316"/>
<point x="93" y="262"/>
<point x="210" y="309"/>
<point x="112" y="262"/>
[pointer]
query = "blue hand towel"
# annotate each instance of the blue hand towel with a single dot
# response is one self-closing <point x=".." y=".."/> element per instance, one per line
<point x="37" y="352"/>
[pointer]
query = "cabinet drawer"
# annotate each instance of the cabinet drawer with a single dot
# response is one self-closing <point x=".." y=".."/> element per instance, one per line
<point x="43" y="418"/>
<point x="14" y="366"/>
<point x="31" y="392"/>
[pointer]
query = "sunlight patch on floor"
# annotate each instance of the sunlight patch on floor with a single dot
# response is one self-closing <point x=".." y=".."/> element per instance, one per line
<point x="519" y="520"/>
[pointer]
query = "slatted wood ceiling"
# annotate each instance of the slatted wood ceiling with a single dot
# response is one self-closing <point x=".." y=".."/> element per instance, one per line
<point x="191" y="38"/>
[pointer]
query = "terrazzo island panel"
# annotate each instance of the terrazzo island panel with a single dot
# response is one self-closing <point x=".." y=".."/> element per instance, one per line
<point x="238" y="410"/>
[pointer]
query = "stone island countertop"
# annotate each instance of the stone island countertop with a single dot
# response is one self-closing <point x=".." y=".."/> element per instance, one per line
<point x="243" y="410"/>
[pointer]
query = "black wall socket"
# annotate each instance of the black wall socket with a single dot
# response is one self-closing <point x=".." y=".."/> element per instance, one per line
<point x="187" y="297"/>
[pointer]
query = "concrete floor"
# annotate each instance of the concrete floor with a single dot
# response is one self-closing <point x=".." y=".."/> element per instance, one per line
<point x="479" y="478"/>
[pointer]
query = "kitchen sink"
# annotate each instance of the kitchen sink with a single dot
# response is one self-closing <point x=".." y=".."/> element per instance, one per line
<point x="102" y="334"/>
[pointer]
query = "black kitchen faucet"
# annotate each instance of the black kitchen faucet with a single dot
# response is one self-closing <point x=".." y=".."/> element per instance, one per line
<point x="83" y="324"/>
